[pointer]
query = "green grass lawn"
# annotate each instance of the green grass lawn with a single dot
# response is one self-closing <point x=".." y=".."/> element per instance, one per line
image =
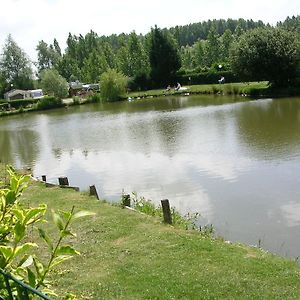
<point x="249" y="88"/>
<point x="128" y="255"/>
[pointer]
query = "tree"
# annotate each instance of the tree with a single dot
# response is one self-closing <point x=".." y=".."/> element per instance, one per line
<point x="15" y="66"/>
<point x="138" y="58"/>
<point x="212" y="47"/>
<point x="94" y="66"/>
<point x="48" y="56"/>
<point x="131" y="57"/>
<point x="227" y="40"/>
<point x="54" y="84"/>
<point x="199" y="47"/>
<point x="164" y="57"/>
<point x="112" y="85"/>
<point x="267" y="54"/>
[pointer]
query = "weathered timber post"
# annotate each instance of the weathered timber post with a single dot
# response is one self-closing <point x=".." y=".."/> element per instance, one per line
<point x="166" y="211"/>
<point x="63" y="181"/>
<point x="93" y="191"/>
<point x="44" y="178"/>
<point x="126" y="200"/>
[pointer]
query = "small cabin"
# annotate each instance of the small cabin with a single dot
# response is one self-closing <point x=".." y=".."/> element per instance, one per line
<point x="17" y="94"/>
<point x="22" y="94"/>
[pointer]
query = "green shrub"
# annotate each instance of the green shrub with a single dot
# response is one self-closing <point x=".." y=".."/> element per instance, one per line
<point x="3" y="106"/>
<point x="215" y="90"/>
<point x="49" y="102"/>
<point x="140" y="82"/>
<point x="76" y="100"/>
<point x="113" y="85"/>
<point x="54" y="84"/>
<point x="17" y="255"/>
<point x="94" y="98"/>
<point x="22" y="102"/>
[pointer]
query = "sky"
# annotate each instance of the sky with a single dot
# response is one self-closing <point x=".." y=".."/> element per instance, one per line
<point x="29" y="21"/>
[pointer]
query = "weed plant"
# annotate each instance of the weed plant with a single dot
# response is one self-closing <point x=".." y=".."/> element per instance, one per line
<point x="188" y="222"/>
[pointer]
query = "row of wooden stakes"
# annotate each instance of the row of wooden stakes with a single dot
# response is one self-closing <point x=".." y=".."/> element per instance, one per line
<point x="63" y="182"/>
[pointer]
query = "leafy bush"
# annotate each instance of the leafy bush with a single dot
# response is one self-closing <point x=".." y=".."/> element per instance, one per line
<point x="3" y="106"/>
<point x="140" y="82"/>
<point x="16" y="253"/>
<point x="76" y="100"/>
<point x="112" y="85"/>
<point x="271" y="54"/>
<point x="54" y="84"/>
<point x="94" y="97"/>
<point x="49" y="102"/>
<point x="17" y="103"/>
<point x="22" y="102"/>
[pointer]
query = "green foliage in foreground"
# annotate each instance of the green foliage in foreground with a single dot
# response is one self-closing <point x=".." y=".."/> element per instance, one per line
<point x="112" y="85"/>
<point x="18" y="221"/>
<point x="128" y="255"/>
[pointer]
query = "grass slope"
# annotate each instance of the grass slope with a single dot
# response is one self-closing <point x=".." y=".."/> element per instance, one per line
<point x="127" y="255"/>
<point x="254" y="89"/>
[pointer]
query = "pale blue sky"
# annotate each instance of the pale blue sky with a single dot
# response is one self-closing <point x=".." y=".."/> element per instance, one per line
<point x="32" y="20"/>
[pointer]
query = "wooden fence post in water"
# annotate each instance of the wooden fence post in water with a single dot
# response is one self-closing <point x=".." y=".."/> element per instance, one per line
<point x="93" y="191"/>
<point x="126" y="200"/>
<point x="166" y="211"/>
<point x="44" y="178"/>
<point x="63" y="181"/>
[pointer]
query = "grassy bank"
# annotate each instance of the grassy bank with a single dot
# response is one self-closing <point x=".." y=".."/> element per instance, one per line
<point x="128" y="255"/>
<point x="260" y="89"/>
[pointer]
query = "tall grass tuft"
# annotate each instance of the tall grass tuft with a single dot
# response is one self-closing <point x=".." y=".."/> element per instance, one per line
<point x="215" y="90"/>
<point x="188" y="222"/>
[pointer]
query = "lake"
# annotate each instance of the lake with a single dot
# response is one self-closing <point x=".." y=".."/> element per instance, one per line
<point x="235" y="161"/>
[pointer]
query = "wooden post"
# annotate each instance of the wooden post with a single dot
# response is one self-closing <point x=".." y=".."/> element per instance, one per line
<point x="166" y="211"/>
<point x="126" y="200"/>
<point x="93" y="191"/>
<point x="44" y="178"/>
<point x="63" y="181"/>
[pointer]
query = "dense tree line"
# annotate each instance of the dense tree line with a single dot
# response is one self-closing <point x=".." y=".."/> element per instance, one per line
<point x="154" y="59"/>
<point x="187" y="35"/>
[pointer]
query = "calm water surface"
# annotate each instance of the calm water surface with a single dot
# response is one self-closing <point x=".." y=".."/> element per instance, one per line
<point x="236" y="162"/>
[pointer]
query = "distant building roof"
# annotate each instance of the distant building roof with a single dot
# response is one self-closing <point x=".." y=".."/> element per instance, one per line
<point x="15" y="92"/>
<point x="26" y="94"/>
<point x="75" y="85"/>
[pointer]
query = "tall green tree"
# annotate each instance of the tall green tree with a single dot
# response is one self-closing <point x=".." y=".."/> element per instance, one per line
<point x="164" y="57"/>
<point x="271" y="54"/>
<point x="49" y="56"/>
<point x="54" y="84"/>
<point x="15" y="66"/>
<point x="138" y="58"/>
<point x="94" y="65"/>
<point x="113" y="85"/>
<point x="199" y="51"/>
<point x="213" y="49"/>
<point x="226" y="42"/>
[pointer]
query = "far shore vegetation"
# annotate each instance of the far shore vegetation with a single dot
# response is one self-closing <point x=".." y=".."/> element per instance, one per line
<point x="247" y="89"/>
<point x="245" y="56"/>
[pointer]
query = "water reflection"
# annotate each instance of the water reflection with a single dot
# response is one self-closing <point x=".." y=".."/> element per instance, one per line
<point x="235" y="162"/>
<point x="270" y="129"/>
<point x="19" y="147"/>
